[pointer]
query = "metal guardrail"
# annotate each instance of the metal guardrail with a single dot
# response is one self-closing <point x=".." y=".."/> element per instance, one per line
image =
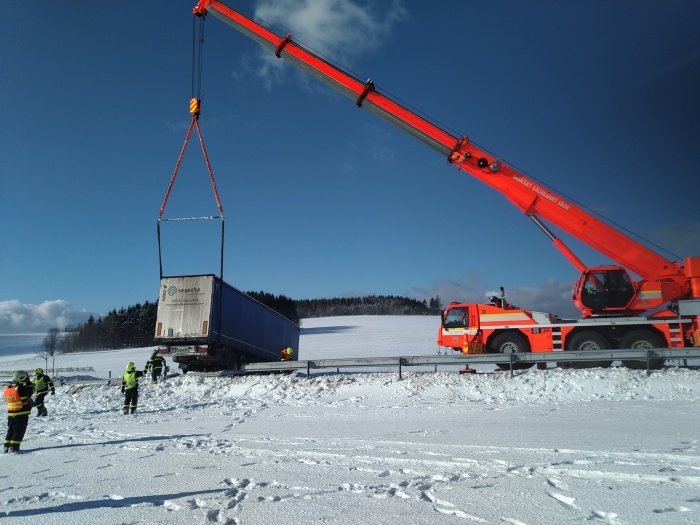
<point x="54" y="371"/>
<point x="646" y="355"/>
<point x="505" y="360"/>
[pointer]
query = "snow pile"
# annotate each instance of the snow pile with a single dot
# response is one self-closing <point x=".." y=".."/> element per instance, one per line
<point x="527" y="388"/>
<point x="550" y="446"/>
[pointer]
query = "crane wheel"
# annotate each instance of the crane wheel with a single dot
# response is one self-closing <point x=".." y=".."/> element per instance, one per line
<point x="642" y="340"/>
<point x="510" y="343"/>
<point x="583" y="341"/>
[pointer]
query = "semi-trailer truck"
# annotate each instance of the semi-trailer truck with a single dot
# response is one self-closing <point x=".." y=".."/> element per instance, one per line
<point x="205" y="324"/>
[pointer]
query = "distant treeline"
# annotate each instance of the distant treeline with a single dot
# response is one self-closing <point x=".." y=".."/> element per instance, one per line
<point x="367" y="305"/>
<point x="134" y="326"/>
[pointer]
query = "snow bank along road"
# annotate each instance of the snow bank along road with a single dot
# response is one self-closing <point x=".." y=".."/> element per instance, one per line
<point x="547" y="447"/>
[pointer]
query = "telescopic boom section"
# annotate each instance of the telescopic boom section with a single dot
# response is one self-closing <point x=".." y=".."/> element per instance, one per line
<point x="527" y="195"/>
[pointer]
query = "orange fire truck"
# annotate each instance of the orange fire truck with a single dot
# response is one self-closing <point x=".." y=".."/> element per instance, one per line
<point x="646" y="301"/>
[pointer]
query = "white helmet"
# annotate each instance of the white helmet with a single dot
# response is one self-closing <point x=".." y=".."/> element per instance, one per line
<point x="20" y="376"/>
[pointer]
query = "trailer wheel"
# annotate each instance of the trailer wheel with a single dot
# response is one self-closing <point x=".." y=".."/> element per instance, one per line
<point x="642" y="340"/>
<point x="587" y="340"/>
<point x="510" y="343"/>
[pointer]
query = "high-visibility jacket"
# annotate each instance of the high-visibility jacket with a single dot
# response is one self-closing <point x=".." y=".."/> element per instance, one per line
<point x="131" y="379"/>
<point x="19" y="399"/>
<point x="42" y="384"/>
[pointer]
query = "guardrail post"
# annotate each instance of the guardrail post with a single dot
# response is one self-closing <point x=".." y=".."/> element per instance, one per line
<point x="511" y="365"/>
<point x="109" y="378"/>
<point x="308" y="369"/>
<point x="648" y="359"/>
<point x="400" y="361"/>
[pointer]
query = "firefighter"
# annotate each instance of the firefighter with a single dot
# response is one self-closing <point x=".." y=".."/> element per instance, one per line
<point x="42" y="385"/>
<point x="130" y="388"/>
<point x="157" y="365"/>
<point x="18" y="397"/>
<point x="286" y="354"/>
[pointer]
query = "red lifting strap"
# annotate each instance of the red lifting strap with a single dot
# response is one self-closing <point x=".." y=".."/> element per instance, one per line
<point x="194" y="123"/>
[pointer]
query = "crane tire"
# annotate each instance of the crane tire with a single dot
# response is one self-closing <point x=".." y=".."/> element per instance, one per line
<point x="510" y="343"/>
<point x="642" y="339"/>
<point x="586" y="340"/>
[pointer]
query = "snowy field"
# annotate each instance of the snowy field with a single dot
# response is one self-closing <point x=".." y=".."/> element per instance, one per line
<point x="550" y="446"/>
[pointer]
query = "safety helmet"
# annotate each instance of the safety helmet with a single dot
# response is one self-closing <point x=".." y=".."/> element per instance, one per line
<point x="39" y="371"/>
<point x="20" y="376"/>
<point x="130" y="367"/>
<point x="289" y="350"/>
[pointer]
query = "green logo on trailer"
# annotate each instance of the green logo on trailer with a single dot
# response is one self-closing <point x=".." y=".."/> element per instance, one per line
<point x="172" y="290"/>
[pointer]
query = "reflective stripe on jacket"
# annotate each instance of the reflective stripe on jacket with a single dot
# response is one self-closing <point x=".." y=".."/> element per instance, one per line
<point x="18" y="398"/>
<point x="156" y="362"/>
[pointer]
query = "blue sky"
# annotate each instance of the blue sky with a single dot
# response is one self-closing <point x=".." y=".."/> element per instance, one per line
<point x="596" y="99"/>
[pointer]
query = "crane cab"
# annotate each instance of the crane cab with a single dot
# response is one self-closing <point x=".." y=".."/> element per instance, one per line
<point x="604" y="289"/>
<point x="609" y="291"/>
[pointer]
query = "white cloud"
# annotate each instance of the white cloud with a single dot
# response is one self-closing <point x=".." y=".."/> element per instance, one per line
<point x="552" y="296"/>
<point x="16" y="317"/>
<point x="339" y="30"/>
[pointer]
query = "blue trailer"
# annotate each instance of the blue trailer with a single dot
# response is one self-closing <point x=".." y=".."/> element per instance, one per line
<point x="205" y="324"/>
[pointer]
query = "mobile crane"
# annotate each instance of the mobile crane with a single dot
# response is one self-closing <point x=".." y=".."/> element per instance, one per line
<point x="646" y="301"/>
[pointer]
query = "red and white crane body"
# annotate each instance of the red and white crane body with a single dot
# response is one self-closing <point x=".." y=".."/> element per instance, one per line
<point x="636" y="303"/>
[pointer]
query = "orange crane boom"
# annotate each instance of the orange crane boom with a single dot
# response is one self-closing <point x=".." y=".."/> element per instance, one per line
<point x="662" y="280"/>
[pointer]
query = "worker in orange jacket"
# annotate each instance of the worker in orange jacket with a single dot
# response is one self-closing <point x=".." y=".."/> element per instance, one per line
<point x="286" y="354"/>
<point x="18" y="397"/>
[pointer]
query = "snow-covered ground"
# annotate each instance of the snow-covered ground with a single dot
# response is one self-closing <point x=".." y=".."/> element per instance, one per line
<point x="546" y="447"/>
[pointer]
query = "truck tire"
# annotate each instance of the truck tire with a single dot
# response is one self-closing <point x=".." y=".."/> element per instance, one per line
<point x="583" y="341"/>
<point x="510" y="343"/>
<point x="642" y="340"/>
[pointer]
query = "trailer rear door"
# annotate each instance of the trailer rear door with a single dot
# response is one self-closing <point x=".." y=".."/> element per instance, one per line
<point x="184" y="307"/>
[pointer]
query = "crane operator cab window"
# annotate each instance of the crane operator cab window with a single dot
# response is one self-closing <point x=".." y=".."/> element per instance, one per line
<point x="605" y="289"/>
<point x="455" y="318"/>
